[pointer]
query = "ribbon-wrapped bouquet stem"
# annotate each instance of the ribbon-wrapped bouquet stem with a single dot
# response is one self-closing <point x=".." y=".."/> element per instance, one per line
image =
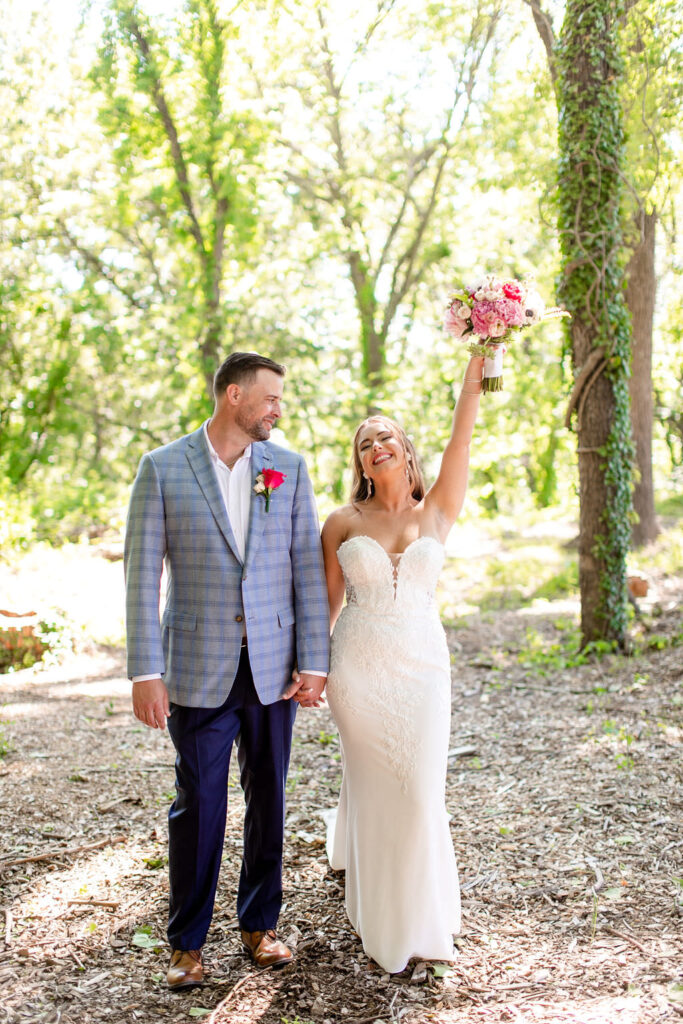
<point x="492" y="310"/>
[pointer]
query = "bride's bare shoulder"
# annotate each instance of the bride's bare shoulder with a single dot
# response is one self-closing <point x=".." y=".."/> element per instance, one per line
<point x="339" y="521"/>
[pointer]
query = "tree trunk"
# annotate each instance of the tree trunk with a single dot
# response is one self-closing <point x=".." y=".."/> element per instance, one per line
<point x="640" y="298"/>
<point x="593" y="431"/>
<point x="591" y="286"/>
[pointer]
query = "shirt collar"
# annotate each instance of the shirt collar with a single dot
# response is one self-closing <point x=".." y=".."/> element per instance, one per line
<point x="246" y="454"/>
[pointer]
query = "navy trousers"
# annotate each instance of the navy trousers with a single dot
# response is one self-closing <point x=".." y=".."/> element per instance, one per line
<point x="203" y="738"/>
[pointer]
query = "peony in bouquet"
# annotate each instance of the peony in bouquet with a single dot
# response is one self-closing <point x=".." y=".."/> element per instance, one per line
<point x="493" y="309"/>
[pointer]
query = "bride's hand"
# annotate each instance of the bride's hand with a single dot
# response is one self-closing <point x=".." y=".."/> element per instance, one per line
<point x="473" y="375"/>
<point x="306" y="690"/>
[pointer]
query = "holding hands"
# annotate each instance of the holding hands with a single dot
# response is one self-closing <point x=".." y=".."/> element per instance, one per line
<point x="306" y="689"/>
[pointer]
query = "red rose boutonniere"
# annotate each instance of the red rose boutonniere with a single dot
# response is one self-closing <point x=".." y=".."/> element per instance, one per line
<point x="268" y="481"/>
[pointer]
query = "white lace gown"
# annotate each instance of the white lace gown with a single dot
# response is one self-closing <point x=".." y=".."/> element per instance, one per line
<point x="389" y="691"/>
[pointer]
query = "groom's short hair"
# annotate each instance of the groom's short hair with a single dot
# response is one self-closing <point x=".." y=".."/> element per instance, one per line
<point x="241" y="368"/>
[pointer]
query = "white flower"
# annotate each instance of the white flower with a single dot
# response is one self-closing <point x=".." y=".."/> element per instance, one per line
<point x="259" y="486"/>
<point x="534" y="307"/>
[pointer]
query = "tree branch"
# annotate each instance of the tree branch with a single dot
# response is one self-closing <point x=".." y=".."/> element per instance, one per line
<point x="596" y="358"/>
<point x="99" y="266"/>
<point x="177" y="156"/>
<point x="544" y="25"/>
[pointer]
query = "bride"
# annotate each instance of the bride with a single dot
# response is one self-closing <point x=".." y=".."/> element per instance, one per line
<point x="389" y="689"/>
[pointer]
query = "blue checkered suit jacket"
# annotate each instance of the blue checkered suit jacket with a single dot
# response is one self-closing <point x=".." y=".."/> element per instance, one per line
<point x="177" y="514"/>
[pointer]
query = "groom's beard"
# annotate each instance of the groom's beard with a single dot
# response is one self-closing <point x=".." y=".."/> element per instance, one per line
<point x="257" y="430"/>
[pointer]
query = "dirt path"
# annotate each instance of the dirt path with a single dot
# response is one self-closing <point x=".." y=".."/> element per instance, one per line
<point x="566" y="797"/>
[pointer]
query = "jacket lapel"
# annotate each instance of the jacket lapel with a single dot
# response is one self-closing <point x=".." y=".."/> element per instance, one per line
<point x="260" y="459"/>
<point x="200" y="461"/>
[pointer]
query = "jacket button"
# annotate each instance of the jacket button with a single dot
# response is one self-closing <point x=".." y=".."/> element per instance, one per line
<point x="238" y="618"/>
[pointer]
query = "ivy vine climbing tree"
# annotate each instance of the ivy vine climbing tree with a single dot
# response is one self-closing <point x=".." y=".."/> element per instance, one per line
<point x="651" y="98"/>
<point x="591" y="141"/>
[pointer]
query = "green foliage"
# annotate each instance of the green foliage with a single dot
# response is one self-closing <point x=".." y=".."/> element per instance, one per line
<point x="21" y="646"/>
<point x="523" y="575"/>
<point x="6" y="744"/>
<point x="667" y="552"/>
<point x="185" y="189"/>
<point x="17" y="527"/>
<point x="672" y="506"/>
<point x="368" y="166"/>
<point x="651" y="95"/>
<point x="441" y="970"/>
<point x="562" y="583"/>
<point x="659" y="641"/>
<point x="185" y="167"/>
<point x="544" y="657"/>
<point x="154" y="863"/>
<point x="143" y="939"/>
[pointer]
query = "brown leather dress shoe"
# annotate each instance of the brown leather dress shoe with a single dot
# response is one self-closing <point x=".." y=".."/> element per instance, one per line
<point x="185" y="969"/>
<point x="266" y="950"/>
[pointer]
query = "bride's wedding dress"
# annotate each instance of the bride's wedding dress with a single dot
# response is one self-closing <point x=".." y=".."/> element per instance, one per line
<point x="389" y="691"/>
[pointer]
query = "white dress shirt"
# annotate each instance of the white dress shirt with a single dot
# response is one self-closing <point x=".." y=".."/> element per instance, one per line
<point x="235" y="488"/>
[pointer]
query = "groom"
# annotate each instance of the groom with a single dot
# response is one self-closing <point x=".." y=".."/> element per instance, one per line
<point x="234" y="519"/>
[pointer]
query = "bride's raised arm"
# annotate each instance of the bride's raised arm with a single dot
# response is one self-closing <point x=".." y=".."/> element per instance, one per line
<point x="446" y="496"/>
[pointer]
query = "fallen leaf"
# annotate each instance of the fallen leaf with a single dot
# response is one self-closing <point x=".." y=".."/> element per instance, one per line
<point x="441" y="970"/>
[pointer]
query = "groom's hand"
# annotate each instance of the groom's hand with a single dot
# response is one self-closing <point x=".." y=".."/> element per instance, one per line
<point x="150" y="702"/>
<point x="305" y="689"/>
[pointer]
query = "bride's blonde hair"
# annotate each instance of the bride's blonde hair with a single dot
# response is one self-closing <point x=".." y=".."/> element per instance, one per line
<point x="360" y="487"/>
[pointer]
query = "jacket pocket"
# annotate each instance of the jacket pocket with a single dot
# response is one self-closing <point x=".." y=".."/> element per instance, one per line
<point x="181" y="620"/>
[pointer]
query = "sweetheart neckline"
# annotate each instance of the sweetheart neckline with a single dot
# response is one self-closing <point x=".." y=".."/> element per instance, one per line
<point x="393" y="567"/>
<point x="365" y="536"/>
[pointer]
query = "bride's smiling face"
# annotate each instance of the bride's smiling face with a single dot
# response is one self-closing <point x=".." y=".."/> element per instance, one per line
<point x="379" y="448"/>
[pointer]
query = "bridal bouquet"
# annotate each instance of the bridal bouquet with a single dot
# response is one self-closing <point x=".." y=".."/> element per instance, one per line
<point x="492" y="309"/>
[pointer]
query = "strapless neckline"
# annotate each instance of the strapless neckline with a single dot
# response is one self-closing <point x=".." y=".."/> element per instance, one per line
<point x="397" y="562"/>
<point x="390" y="554"/>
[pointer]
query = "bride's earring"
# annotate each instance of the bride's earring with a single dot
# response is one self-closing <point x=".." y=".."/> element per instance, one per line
<point x="371" y="486"/>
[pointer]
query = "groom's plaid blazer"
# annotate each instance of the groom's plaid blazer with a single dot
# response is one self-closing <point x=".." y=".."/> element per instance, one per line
<point x="177" y="515"/>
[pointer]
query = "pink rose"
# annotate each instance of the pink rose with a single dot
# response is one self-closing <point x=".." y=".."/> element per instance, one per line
<point x="267" y="481"/>
<point x="455" y="325"/>
<point x="511" y="290"/>
<point x="273" y="478"/>
<point x="487" y="321"/>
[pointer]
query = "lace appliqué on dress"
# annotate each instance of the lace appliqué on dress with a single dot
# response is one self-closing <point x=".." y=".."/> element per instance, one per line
<point x="390" y="621"/>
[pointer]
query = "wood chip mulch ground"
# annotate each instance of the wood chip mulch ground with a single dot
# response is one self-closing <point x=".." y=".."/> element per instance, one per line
<point x="566" y="795"/>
